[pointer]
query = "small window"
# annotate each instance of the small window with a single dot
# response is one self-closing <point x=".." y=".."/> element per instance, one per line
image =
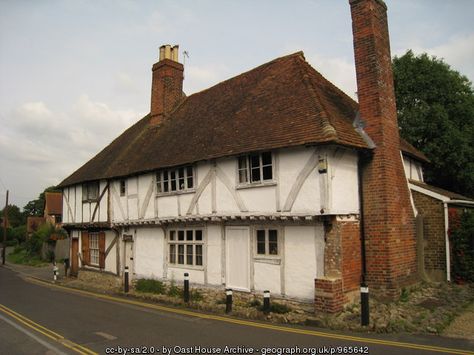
<point x="123" y="187"/>
<point x="255" y="168"/>
<point x="267" y="242"/>
<point x="90" y="191"/>
<point x="187" y="248"/>
<point x="171" y="180"/>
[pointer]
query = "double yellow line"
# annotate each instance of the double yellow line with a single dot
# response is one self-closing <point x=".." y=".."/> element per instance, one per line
<point x="260" y="325"/>
<point x="46" y="332"/>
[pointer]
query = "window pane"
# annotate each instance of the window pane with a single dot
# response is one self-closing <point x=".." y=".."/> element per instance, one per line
<point x="122" y="187"/>
<point x="158" y="182"/>
<point x="189" y="235"/>
<point x="243" y="176"/>
<point x="189" y="254"/>
<point x="173" y="180"/>
<point x="172" y="235"/>
<point x="198" y="254"/>
<point x="198" y="234"/>
<point x="189" y="174"/>
<point x="267" y="173"/>
<point x="180" y="253"/>
<point x="243" y="162"/>
<point x="172" y="253"/>
<point x="165" y="186"/>
<point x="254" y="161"/>
<point x="255" y="174"/>
<point x="261" y="241"/>
<point x="266" y="158"/>
<point x="272" y="242"/>
<point x="181" y="179"/>
<point x="180" y="235"/>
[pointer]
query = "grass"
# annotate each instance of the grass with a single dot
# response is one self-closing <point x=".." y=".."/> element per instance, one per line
<point x="150" y="286"/>
<point x="20" y="256"/>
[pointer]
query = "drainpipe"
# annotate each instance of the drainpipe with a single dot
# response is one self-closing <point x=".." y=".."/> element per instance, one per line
<point x="364" y="289"/>
<point x="446" y="238"/>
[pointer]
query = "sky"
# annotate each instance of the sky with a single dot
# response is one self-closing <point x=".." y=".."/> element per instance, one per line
<point x="75" y="74"/>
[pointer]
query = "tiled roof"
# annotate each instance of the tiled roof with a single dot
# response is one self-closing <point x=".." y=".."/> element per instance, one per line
<point x="410" y="150"/>
<point x="54" y="202"/>
<point x="451" y="195"/>
<point x="282" y="103"/>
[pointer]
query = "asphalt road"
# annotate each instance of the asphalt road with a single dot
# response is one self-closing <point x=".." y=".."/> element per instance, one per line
<point x="41" y="319"/>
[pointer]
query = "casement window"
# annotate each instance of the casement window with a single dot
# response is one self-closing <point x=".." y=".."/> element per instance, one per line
<point x="255" y="168"/>
<point x="93" y="249"/>
<point x="172" y="180"/>
<point x="185" y="247"/>
<point x="267" y="242"/>
<point x="123" y="187"/>
<point x="90" y="191"/>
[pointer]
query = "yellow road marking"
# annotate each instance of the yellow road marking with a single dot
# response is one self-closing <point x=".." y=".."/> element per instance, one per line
<point x="46" y="332"/>
<point x="258" y="325"/>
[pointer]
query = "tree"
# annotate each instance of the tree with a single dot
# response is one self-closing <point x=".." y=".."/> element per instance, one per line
<point x="36" y="207"/>
<point x="15" y="216"/>
<point x="436" y="115"/>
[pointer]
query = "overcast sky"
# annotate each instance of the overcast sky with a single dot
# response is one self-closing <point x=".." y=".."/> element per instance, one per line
<point x="75" y="74"/>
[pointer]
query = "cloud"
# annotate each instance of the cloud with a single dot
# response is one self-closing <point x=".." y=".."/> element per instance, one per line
<point x="40" y="145"/>
<point x="337" y="70"/>
<point x="458" y="52"/>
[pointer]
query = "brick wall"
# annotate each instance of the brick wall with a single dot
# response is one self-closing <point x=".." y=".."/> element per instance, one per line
<point x="342" y="266"/>
<point x="388" y="216"/>
<point x="432" y="211"/>
<point x="166" y="88"/>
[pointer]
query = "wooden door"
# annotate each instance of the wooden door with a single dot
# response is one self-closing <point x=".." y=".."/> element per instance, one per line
<point x="238" y="258"/>
<point x="74" y="256"/>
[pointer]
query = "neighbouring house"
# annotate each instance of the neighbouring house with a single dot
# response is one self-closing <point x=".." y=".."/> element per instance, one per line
<point x="53" y="207"/>
<point x="271" y="180"/>
<point x="32" y="224"/>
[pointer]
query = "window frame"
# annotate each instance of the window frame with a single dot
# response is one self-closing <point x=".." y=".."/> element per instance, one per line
<point x="245" y="168"/>
<point x="267" y="255"/>
<point x="87" y="188"/>
<point x="92" y="236"/>
<point x="165" y="179"/>
<point x="180" y="245"/>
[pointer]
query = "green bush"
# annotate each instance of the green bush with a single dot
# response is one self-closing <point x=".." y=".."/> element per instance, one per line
<point x="255" y="303"/>
<point x="462" y="244"/>
<point x="20" y="256"/>
<point x="174" y="291"/>
<point x="277" y="308"/>
<point x="150" y="285"/>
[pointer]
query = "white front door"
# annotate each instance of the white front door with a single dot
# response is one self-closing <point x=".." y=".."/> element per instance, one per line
<point x="238" y="258"/>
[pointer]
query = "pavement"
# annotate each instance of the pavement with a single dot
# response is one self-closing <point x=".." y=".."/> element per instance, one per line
<point x="42" y="318"/>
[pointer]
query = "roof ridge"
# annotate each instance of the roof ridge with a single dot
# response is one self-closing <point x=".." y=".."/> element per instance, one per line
<point x="328" y="128"/>
<point x="295" y="54"/>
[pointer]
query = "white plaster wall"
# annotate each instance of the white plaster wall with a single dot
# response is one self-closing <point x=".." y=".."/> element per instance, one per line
<point x="102" y="212"/>
<point x="225" y="202"/>
<point x="204" y="204"/>
<point x="259" y="199"/>
<point x="167" y="206"/>
<point x="413" y="169"/>
<point x="300" y="260"/>
<point x="78" y="203"/>
<point x="177" y="274"/>
<point x="214" y="254"/>
<point x="344" y="184"/>
<point x="308" y="200"/>
<point x="267" y="277"/>
<point x="149" y="253"/>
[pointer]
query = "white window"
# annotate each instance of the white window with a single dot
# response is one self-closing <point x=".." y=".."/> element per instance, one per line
<point x="185" y="247"/>
<point x="255" y="168"/>
<point x="90" y="191"/>
<point x="94" y="248"/>
<point x="171" y="180"/>
<point x="267" y="242"/>
<point x="123" y="187"/>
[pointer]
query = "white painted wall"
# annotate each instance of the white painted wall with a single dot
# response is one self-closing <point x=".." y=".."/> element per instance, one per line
<point x="149" y="253"/>
<point x="267" y="277"/>
<point x="304" y="257"/>
<point x="214" y="255"/>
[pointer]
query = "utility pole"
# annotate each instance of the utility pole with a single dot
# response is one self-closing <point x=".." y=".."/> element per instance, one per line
<point x="5" y="217"/>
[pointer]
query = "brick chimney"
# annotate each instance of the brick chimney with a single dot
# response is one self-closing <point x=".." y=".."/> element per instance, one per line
<point x="167" y="84"/>
<point x="388" y="215"/>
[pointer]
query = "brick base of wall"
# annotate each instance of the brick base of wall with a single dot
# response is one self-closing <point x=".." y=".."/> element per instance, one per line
<point x="329" y="295"/>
